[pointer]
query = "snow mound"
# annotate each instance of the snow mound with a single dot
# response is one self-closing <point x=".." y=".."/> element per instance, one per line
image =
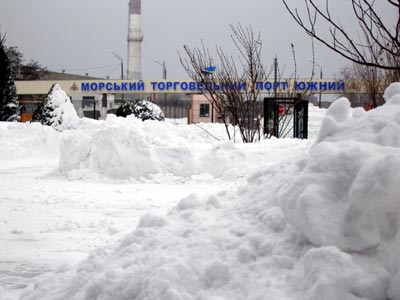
<point x="174" y="261"/>
<point x="348" y="192"/>
<point x="328" y="273"/>
<point x="391" y="91"/>
<point x="123" y="148"/>
<point x="152" y="220"/>
<point x="28" y="141"/>
<point x="190" y="202"/>
<point x="232" y="245"/>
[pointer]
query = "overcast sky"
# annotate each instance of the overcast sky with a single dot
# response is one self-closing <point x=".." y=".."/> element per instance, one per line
<point x="77" y="35"/>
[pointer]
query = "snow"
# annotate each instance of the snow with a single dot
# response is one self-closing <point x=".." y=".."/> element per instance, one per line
<point x="391" y="91"/>
<point x="327" y="273"/>
<point x="347" y="193"/>
<point x="21" y="141"/>
<point x="125" y="209"/>
<point x="131" y="149"/>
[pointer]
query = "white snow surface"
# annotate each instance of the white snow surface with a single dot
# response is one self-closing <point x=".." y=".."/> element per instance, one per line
<point x="182" y="216"/>
<point x="127" y="148"/>
<point x="22" y="141"/>
<point x="347" y="194"/>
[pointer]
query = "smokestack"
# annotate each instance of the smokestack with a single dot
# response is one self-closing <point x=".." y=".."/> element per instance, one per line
<point x="135" y="39"/>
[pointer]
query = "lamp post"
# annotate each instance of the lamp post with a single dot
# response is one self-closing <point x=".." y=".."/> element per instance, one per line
<point x="121" y="60"/>
<point x="122" y="67"/>
<point x="164" y="77"/>
<point x="163" y="66"/>
<point x="320" y="77"/>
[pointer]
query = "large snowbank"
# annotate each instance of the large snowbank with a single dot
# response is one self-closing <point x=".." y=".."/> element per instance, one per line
<point x="347" y="194"/>
<point x="126" y="148"/>
<point x="203" y="249"/>
<point x="28" y="141"/>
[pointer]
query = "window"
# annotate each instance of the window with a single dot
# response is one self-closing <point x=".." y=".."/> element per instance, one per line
<point x="87" y="101"/>
<point x="204" y="110"/>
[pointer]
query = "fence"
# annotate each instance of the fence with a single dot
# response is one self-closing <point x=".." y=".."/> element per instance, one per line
<point x="175" y="111"/>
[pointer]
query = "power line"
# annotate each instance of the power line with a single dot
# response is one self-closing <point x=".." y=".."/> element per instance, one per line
<point x="117" y="66"/>
<point x="90" y="68"/>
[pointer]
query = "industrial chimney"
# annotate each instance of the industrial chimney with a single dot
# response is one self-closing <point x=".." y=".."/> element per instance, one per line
<point x="135" y="39"/>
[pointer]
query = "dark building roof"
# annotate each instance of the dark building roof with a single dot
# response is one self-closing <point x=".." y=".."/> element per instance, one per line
<point x="50" y="75"/>
<point x="33" y="73"/>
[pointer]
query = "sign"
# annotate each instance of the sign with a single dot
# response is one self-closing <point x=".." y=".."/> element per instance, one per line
<point x="210" y="70"/>
<point x="328" y="86"/>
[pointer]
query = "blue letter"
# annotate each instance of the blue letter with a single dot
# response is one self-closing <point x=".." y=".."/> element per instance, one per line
<point x="93" y="86"/>
<point x="84" y="86"/>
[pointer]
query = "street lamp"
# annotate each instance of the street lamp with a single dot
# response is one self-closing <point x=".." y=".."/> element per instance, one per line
<point x="320" y="77"/>
<point x="121" y="60"/>
<point x="163" y="66"/>
<point x="122" y="68"/>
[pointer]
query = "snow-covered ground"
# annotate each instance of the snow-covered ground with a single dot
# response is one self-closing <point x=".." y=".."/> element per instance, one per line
<point x="53" y="214"/>
<point x="125" y="209"/>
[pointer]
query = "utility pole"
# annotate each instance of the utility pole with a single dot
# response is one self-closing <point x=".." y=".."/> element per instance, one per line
<point x="320" y="77"/>
<point x="122" y="63"/>
<point x="164" y="78"/>
<point x="320" y="94"/>
<point x="94" y="109"/>
<point x="122" y="67"/>
<point x="276" y="77"/>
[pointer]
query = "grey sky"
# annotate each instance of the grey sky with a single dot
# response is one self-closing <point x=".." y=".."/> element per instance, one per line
<point x="77" y="35"/>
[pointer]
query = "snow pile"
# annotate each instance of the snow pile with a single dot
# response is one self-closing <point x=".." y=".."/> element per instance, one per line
<point x="347" y="194"/>
<point x="201" y="250"/>
<point x="57" y="110"/>
<point x="125" y="148"/>
<point x="28" y="141"/>
<point x="231" y="245"/>
<point x="329" y="274"/>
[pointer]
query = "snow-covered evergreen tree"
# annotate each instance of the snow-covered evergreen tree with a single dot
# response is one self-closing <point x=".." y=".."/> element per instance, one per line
<point x="9" y="107"/>
<point x="141" y="109"/>
<point x="125" y="109"/>
<point x="147" y="110"/>
<point x="57" y="110"/>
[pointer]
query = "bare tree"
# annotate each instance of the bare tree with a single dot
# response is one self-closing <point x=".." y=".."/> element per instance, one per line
<point x="370" y="81"/>
<point x="357" y="46"/>
<point x="286" y="117"/>
<point x="232" y="87"/>
<point x="373" y="79"/>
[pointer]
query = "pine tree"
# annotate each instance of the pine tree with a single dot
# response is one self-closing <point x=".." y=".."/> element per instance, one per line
<point x="9" y="107"/>
<point x="56" y="110"/>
